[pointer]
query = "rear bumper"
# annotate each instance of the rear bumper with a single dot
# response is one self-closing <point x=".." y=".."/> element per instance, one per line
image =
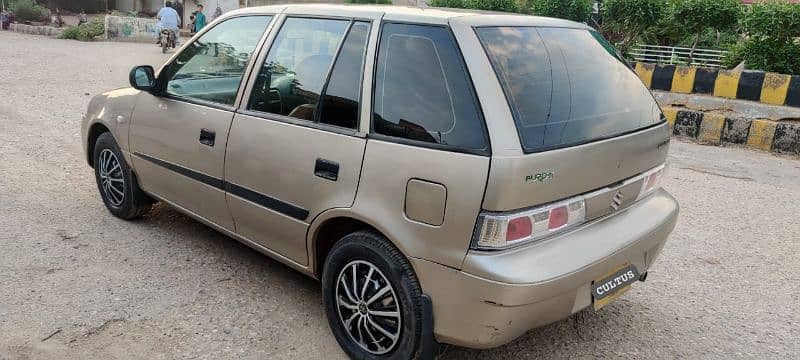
<point x="499" y="296"/>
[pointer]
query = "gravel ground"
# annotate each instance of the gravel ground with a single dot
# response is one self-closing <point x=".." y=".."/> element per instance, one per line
<point x="76" y="283"/>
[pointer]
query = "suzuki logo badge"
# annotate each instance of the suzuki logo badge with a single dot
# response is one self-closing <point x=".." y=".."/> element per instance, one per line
<point x="616" y="201"/>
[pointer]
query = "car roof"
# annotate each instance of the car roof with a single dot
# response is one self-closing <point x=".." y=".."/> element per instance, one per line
<point x="431" y="15"/>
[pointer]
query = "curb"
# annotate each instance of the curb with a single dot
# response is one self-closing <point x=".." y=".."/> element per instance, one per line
<point x="777" y="137"/>
<point x="35" y="30"/>
<point x="760" y="86"/>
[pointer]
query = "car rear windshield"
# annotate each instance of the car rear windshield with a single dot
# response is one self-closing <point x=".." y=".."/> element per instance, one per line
<point x="566" y="86"/>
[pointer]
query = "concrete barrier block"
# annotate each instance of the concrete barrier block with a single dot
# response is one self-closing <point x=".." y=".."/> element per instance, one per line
<point x="736" y="130"/>
<point x="683" y="80"/>
<point x="662" y="77"/>
<point x="793" y="93"/>
<point x="711" y="128"/>
<point x="645" y="72"/>
<point x="750" y="84"/>
<point x="775" y="88"/>
<point x="704" y="80"/>
<point x="670" y="113"/>
<point x="727" y="83"/>
<point x="761" y="135"/>
<point x="787" y="139"/>
<point x="687" y="123"/>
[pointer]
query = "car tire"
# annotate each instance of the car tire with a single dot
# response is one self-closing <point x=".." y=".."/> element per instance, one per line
<point x="375" y="264"/>
<point x="117" y="184"/>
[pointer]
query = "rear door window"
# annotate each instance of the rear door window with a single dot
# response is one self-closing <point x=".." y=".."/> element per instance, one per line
<point x="293" y="75"/>
<point x="422" y="90"/>
<point x="566" y="86"/>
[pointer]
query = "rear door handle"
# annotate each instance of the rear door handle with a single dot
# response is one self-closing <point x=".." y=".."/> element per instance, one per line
<point x="327" y="169"/>
<point x="207" y="137"/>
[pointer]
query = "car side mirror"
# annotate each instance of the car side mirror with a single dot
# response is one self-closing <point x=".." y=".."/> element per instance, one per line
<point x="143" y="78"/>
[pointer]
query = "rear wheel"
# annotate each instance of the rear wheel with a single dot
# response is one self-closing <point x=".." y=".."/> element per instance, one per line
<point x="372" y="298"/>
<point x="116" y="182"/>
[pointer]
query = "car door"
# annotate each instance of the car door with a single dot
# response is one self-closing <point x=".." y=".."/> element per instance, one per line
<point x="294" y="149"/>
<point x="178" y="133"/>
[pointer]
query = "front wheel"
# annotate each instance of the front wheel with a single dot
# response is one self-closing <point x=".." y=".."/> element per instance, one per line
<point x="372" y="298"/>
<point x="115" y="180"/>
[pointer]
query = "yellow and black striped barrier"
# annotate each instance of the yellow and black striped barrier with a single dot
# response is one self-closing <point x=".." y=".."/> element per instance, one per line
<point x="779" y="137"/>
<point x="765" y="87"/>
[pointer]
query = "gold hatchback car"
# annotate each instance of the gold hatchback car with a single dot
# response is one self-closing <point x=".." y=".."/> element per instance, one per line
<point x="449" y="176"/>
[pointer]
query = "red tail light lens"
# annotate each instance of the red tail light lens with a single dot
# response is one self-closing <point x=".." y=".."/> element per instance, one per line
<point x="651" y="181"/>
<point x="499" y="231"/>
<point x="519" y="228"/>
<point x="558" y="217"/>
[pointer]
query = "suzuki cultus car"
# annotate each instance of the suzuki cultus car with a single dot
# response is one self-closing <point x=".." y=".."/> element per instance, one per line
<point x="450" y="175"/>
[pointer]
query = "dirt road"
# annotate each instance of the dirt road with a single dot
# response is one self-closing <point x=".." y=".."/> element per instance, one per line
<point x="77" y="283"/>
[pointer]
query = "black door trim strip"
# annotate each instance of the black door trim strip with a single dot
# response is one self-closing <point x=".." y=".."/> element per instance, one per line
<point x="267" y="201"/>
<point x="242" y="192"/>
<point x="194" y="175"/>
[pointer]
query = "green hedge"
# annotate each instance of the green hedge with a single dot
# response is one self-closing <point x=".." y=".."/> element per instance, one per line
<point x="84" y="32"/>
<point x="493" y="5"/>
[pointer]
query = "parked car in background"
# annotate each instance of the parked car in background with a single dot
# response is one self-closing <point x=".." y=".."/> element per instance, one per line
<point x="446" y="175"/>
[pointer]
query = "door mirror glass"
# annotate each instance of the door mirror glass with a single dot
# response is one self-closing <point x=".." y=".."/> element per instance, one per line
<point x="143" y="78"/>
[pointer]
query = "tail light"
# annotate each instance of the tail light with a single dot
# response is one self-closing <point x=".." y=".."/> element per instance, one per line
<point x="503" y="230"/>
<point x="651" y="181"/>
<point x="497" y="231"/>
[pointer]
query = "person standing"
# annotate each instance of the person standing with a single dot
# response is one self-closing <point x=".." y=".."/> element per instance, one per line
<point x="199" y="18"/>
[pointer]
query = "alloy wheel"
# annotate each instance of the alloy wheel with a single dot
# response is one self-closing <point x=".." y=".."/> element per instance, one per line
<point x="368" y="307"/>
<point x="111" y="179"/>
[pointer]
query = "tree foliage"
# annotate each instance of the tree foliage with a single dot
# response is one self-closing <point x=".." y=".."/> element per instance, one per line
<point x="494" y="5"/>
<point x="696" y="16"/>
<point x="631" y="18"/>
<point x="575" y="10"/>
<point x="28" y="10"/>
<point x="771" y="30"/>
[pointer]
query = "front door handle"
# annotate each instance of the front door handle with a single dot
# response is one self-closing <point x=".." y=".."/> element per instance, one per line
<point x="207" y="137"/>
<point x="327" y="169"/>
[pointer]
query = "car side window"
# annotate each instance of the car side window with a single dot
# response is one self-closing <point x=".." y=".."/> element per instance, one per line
<point x="422" y="90"/>
<point x="211" y="67"/>
<point x="342" y="94"/>
<point x="294" y="73"/>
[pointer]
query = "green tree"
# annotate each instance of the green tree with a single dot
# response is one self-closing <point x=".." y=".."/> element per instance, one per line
<point x="697" y="16"/>
<point x="631" y="18"/>
<point x="575" y="10"/>
<point x="771" y="30"/>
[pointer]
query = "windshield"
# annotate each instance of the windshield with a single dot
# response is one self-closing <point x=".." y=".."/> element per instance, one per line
<point x="566" y="86"/>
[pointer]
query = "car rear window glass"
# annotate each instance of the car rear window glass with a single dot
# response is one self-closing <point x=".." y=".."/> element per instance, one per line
<point x="422" y="90"/>
<point x="566" y="86"/>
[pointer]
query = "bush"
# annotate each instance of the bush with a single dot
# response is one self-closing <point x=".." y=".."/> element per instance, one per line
<point x="575" y="10"/>
<point x="84" y="32"/>
<point x="771" y="29"/>
<point x="28" y="10"/>
<point x="494" y="5"/>
<point x="767" y="55"/>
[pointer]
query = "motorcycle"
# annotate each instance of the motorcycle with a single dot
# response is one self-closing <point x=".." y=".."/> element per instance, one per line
<point x="168" y="39"/>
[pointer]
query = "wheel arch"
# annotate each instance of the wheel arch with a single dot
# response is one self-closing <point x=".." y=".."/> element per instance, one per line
<point x="96" y="129"/>
<point x="329" y="227"/>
